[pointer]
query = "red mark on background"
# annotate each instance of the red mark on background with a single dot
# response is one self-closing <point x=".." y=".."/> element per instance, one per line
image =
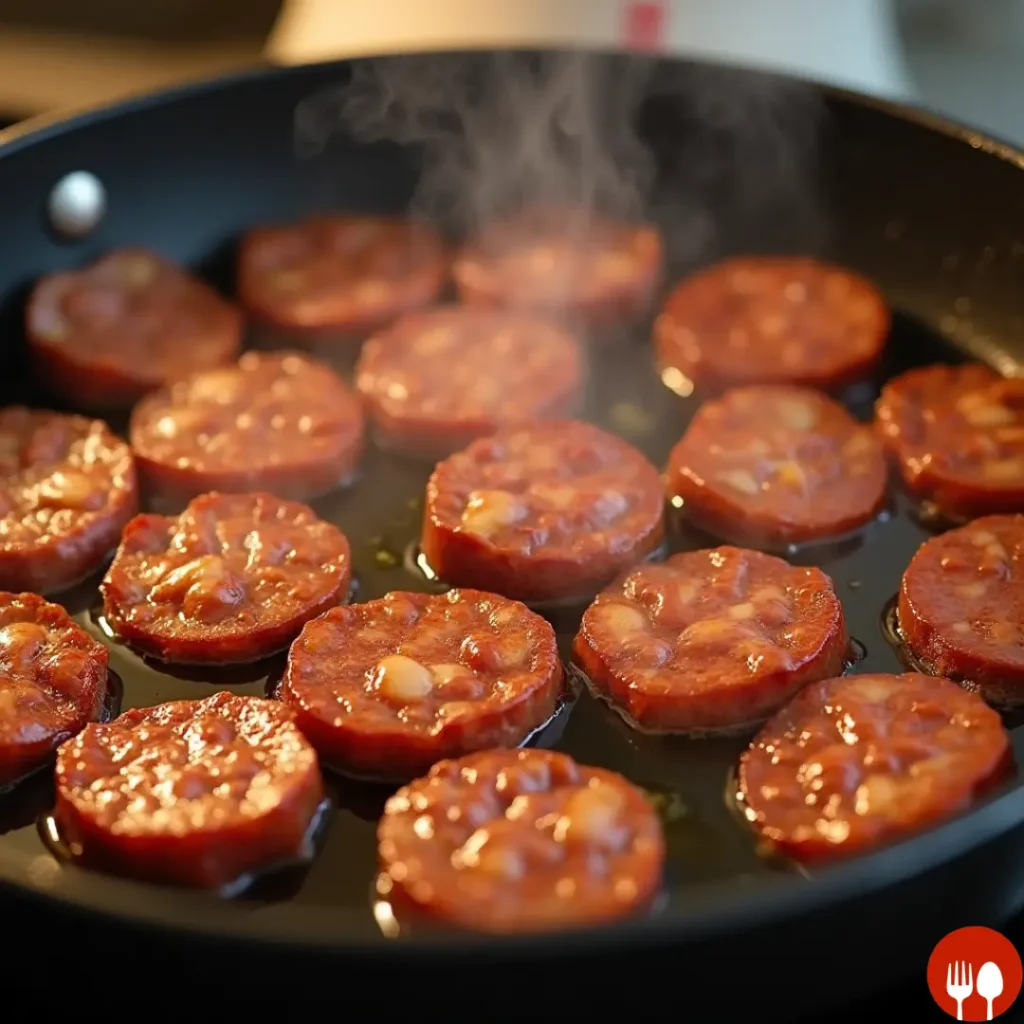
<point x="644" y="25"/>
<point x="970" y="967"/>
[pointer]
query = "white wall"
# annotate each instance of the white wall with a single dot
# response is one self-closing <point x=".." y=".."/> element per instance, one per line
<point x="849" y="42"/>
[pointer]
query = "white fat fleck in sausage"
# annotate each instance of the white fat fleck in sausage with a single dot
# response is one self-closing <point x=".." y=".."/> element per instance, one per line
<point x="592" y="816"/>
<point x="620" y="619"/>
<point x="221" y="386"/>
<point x="557" y="495"/>
<point x="447" y="673"/>
<point x="177" y="581"/>
<point x="873" y="688"/>
<point x="488" y="512"/>
<point x="740" y="480"/>
<point x="711" y="631"/>
<point x="67" y="488"/>
<point x="402" y="679"/>
<point x="796" y="413"/>
<point x="980" y="411"/>
<point x="792" y="474"/>
<point x="22" y="641"/>
<point x="742" y="612"/>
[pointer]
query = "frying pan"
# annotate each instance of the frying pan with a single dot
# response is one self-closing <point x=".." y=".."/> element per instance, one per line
<point x="933" y="212"/>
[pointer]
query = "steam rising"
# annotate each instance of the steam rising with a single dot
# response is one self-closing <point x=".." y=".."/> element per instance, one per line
<point x="499" y="131"/>
<point x="709" y="153"/>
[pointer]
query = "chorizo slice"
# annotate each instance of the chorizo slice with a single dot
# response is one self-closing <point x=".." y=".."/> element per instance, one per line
<point x="231" y="579"/>
<point x="957" y="434"/>
<point x="778" y="464"/>
<point x="961" y="606"/>
<point x="435" y="381"/>
<point x="857" y="761"/>
<point x="710" y="641"/>
<point x="547" y="511"/>
<point x="279" y="422"/>
<point x="520" y="841"/>
<point x="561" y="260"/>
<point x="770" y="320"/>
<point x="192" y="793"/>
<point x="53" y="681"/>
<point x="339" y="274"/>
<point x="385" y="688"/>
<point x="67" y="487"/>
<point x="103" y="336"/>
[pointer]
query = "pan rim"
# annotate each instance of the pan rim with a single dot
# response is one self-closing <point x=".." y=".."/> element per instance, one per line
<point x="42" y="126"/>
<point x="728" y="908"/>
<point x="724" y="907"/>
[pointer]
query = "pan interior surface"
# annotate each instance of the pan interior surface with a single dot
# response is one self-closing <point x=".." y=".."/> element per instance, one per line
<point x="934" y="217"/>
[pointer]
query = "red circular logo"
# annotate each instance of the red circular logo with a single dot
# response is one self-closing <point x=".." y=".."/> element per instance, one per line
<point x="975" y="974"/>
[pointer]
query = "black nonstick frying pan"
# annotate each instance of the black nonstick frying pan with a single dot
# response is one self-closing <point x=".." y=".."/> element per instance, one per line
<point x="934" y="213"/>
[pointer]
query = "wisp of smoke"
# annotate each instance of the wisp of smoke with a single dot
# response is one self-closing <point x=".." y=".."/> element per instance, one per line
<point x="500" y="130"/>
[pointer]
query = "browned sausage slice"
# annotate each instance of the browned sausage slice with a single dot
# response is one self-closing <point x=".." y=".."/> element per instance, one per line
<point x="386" y="688"/>
<point x="957" y="433"/>
<point x="197" y="793"/>
<point x="279" y="422"/>
<point x="68" y="487"/>
<point x="435" y="381"/>
<point x="711" y="640"/>
<point x="777" y="464"/>
<point x="562" y="260"/>
<point x="763" y="320"/>
<point x="103" y="336"/>
<point x="961" y="606"/>
<point x="54" y="681"/>
<point x="547" y="511"/>
<point x="856" y="761"/>
<point x="520" y="841"/>
<point x="340" y="274"/>
<point x="232" y="579"/>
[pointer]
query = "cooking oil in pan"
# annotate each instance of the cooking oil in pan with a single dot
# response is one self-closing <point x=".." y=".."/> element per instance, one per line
<point x="696" y="533"/>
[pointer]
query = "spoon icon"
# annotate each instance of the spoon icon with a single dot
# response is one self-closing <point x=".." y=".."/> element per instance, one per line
<point x="990" y="984"/>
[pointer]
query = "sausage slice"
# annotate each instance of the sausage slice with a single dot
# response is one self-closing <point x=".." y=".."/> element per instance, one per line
<point x="438" y="380"/>
<point x="561" y="260"/>
<point x="520" y="841"/>
<point x="770" y="320"/>
<point x="197" y="793"/>
<point x="547" y="511"/>
<point x="777" y="464"/>
<point x="857" y="761"/>
<point x="231" y="579"/>
<point x="278" y="422"/>
<point x="68" y="487"/>
<point x="339" y="274"/>
<point x="386" y="688"/>
<point x="961" y="606"/>
<point x="131" y="322"/>
<point x="957" y="434"/>
<point x="54" y="681"/>
<point x="710" y="640"/>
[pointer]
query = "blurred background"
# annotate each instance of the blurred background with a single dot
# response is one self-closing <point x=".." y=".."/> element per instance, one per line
<point x="961" y="57"/>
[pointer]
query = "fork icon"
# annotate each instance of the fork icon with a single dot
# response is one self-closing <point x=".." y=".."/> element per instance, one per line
<point x="959" y="984"/>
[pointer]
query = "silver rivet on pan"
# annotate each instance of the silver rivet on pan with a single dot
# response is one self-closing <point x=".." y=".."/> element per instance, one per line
<point x="77" y="204"/>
